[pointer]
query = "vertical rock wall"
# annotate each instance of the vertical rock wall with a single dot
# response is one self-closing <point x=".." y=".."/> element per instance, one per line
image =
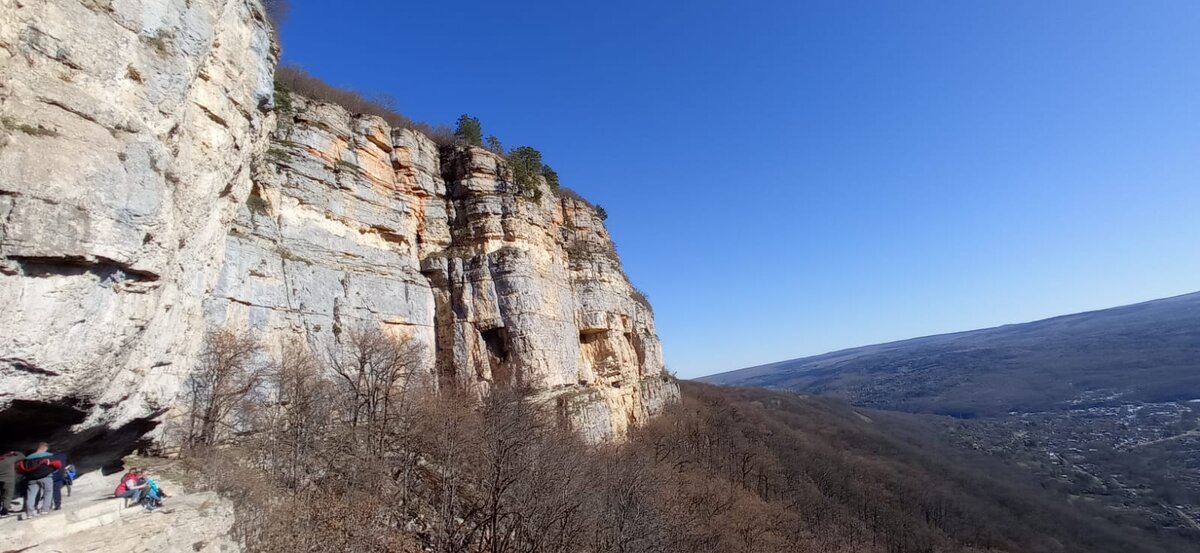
<point x="142" y="204"/>
<point x="350" y="221"/>
<point x="328" y="237"/>
<point x="127" y="130"/>
<point x="531" y="294"/>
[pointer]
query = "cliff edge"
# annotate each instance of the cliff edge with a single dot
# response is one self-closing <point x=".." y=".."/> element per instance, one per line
<point x="152" y="190"/>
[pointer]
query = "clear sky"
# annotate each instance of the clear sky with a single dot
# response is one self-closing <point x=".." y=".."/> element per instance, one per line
<point x="788" y="177"/>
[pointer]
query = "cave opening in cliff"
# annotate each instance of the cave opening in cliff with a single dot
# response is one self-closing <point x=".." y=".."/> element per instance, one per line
<point x="26" y="422"/>
<point x="496" y="341"/>
<point x="103" y="448"/>
<point x="591" y="336"/>
<point x="639" y="349"/>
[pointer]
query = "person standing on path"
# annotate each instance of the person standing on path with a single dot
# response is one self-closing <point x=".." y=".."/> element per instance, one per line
<point x="38" y="469"/>
<point x="60" y="478"/>
<point x="8" y="479"/>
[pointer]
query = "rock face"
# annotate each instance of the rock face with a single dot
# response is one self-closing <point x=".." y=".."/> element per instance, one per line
<point x="127" y="137"/>
<point x="150" y="192"/>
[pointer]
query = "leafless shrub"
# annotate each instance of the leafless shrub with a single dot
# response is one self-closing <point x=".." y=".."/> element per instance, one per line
<point x="571" y="194"/>
<point x="221" y="387"/>
<point x="641" y="298"/>
<point x="349" y="451"/>
<point x="227" y="471"/>
<point x="299" y="81"/>
<point x="377" y="375"/>
<point x="277" y="11"/>
<point x="296" y="419"/>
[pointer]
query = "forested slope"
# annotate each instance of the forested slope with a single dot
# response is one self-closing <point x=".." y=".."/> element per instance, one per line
<point x="726" y="470"/>
<point x="1147" y="352"/>
<point x="862" y="480"/>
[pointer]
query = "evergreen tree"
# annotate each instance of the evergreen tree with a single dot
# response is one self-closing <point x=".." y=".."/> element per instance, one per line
<point x="551" y="176"/>
<point x="469" y="130"/>
<point x="494" y="145"/>
<point x="526" y="165"/>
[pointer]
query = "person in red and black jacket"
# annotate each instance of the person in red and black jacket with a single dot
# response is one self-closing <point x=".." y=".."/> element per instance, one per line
<point x="38" y="469"/>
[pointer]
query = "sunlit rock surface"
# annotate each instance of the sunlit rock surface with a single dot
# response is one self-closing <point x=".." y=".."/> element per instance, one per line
<point x="127" y="138"/>
<point x="150" y="192"/>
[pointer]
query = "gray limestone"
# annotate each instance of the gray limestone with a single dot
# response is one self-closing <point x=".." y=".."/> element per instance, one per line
<point x="149" y="193"/>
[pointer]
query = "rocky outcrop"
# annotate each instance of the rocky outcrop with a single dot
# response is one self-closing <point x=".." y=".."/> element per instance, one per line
<point x="351" y="222"/>
<point x="142" y="203"/>
<point x="127" y="132"/>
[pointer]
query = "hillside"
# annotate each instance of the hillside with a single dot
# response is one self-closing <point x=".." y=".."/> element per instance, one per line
<point x="821" y="475"/>
<point x="1098" y="407"/>
<point x="1147" y="352"/>
<point x="726" y="470"/>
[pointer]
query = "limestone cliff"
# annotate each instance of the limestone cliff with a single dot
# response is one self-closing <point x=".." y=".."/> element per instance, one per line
<point x="127" y="134"/>
<point x="150" y="191"/>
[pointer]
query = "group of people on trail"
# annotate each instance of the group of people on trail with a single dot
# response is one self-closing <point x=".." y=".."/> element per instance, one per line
<point x="41" y="474"/>
<point x="39" y="478"/>
<point x="137" y="489"/>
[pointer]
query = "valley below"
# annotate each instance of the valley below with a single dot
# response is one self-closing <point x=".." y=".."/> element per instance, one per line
<point x="1098" y="408"/>
<point x="327" y="326"/>
<point x="1139" y="459"/>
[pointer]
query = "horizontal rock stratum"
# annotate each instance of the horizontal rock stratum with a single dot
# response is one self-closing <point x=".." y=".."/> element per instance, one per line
<point x="151" y="191"/>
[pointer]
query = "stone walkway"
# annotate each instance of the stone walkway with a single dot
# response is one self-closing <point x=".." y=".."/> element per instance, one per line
<point x="92" y="521"/>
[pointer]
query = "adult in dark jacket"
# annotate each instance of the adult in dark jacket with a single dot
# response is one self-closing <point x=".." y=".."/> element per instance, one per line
<point x="8" y="478"/>
<point x="59" y="478"/>
<point x="38" y="468"/>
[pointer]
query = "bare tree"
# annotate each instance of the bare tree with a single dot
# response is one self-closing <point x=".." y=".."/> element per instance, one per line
<point x="297" y="422"/>
<point x="377" y="374"/>
<point x="226" y="377"/>
<point x="509" y="479"/>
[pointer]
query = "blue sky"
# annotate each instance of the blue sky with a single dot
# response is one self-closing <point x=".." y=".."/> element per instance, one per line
<point x="786" y="178"/>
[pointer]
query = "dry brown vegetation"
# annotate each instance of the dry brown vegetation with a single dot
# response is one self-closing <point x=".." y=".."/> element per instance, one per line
<point x="277" y="11"/>
<point x="219" y="387"/>
<point x="347" y="448"/>
<point x="290" y="79"/>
